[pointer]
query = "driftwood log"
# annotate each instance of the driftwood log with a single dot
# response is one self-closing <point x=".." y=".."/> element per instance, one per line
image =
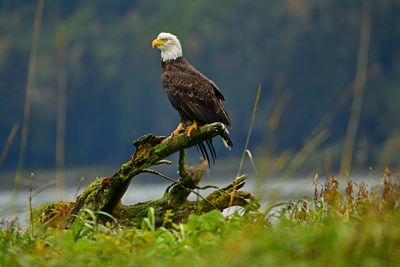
<point x="104" y="194"/>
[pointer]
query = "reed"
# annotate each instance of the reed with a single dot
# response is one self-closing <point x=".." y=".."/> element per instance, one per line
<point x="7" y="145"/>
<point x="253" y="117"/>
<point x="61" y="108"/>
<point x="28" y="96"/>
<point x="359" y="88"/>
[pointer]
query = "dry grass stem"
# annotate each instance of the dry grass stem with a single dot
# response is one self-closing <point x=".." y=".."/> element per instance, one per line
<point x="253" y="116"/>
<point x="359" y="86"/>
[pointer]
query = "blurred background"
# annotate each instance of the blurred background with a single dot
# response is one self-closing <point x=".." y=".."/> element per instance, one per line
<point x="79" y="82"/>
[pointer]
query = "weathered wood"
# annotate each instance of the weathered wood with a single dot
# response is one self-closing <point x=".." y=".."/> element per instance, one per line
<point x="132" y="215"/>
<point x="105" y="194"/>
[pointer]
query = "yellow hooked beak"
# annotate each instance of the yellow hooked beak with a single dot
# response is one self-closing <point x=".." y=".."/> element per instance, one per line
<point x="157" y="42"/>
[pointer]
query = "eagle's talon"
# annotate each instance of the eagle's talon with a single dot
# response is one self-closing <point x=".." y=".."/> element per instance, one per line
<point x="192" y="127"/>
<point x="178" y="130"/>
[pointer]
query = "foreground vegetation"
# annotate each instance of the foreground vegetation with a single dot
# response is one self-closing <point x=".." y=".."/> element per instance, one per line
<point x="346" y="224"/>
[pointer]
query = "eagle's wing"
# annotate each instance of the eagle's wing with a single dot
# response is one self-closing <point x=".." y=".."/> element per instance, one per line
<point x="196" y="96"/>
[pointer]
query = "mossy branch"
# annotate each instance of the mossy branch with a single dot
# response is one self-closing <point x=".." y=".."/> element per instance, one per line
<point x="105" y="194"/>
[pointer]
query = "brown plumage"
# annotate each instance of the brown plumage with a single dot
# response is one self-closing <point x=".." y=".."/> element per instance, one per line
<point x="192" y="94"/>
<point x="197" y="99"/>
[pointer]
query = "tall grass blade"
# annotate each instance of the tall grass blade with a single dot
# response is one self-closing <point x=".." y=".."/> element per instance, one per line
<point x="30" y="201"/>
<point x="28" y="96"/>
<point x="250" y="155"/>
<point x="272" y="125"/>
<point x="61" y="109"/>
<point x="253" y="117"/>
<point x="7" y="145"/>
<point x="359" y="86"/>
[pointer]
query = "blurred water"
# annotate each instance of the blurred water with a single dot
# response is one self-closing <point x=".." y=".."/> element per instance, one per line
<point x="270" y="192"/>
<point x="19" y="207"/>
<point x="138" y="192"/>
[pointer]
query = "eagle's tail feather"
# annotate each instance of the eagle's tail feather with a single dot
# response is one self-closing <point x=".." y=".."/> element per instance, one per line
<point x="201" y="147"/>
<point x="211" y="149"/>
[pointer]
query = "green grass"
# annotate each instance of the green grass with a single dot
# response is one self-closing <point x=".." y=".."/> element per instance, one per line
<point x="341" y="226"/>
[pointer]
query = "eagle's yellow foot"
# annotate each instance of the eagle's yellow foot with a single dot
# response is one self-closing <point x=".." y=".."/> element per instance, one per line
<point x="191" y="128"/>
<point x="178" y="129"/>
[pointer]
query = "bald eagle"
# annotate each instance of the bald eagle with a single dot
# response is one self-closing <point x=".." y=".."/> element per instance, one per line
<point x="197" y="99"/>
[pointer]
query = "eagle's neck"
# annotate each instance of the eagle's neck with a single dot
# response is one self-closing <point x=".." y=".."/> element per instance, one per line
<point x="171" y="52"/>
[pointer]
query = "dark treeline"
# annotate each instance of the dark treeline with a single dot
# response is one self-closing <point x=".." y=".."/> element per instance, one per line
<point x="301" y="52"/>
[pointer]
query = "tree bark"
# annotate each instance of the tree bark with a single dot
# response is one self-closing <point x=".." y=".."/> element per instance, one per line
<point x="104" y="194"/>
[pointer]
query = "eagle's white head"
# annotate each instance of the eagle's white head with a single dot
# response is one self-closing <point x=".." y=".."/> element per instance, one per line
<point x="169" y="45"/>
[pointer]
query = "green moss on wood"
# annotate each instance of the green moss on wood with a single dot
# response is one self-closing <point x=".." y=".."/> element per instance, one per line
<point x="104" y="194"/>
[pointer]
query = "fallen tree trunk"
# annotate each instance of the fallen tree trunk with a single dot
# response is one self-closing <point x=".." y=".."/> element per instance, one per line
<point x="104" y="194"/>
